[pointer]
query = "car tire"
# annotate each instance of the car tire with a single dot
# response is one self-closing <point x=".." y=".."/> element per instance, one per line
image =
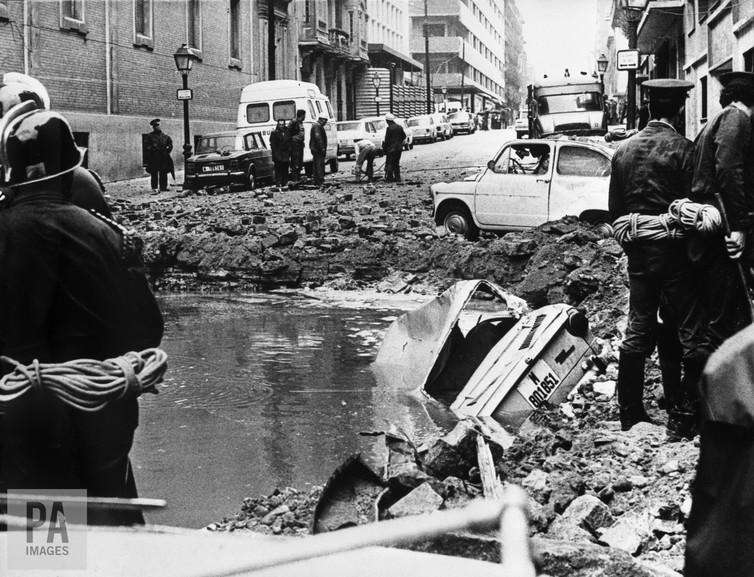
<point x="348" y="156"/>
<point x="411" y="146"/>
<point x="333" y="165"/>
<point x="456" y="219"/>
<point x="251" y="179"/>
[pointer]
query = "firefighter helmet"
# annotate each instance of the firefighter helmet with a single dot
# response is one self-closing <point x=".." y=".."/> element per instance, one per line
<point x="16" y="88"/>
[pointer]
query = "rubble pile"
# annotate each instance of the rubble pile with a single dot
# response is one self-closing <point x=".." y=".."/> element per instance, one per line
<point x="352" y="237"/>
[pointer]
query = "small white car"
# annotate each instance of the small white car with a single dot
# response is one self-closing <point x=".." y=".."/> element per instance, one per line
<point x="423" y="127"/>
<point x="527" y="183"/>
<point x="522" y="123"/>
<point x="462" y="121"/>
<point x="443" y="126"/>
<point x="349" y="131"/>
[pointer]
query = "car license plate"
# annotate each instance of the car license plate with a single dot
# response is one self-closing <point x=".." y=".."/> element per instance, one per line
<point x="213" y="168"/>
<point x="539" y="384"/>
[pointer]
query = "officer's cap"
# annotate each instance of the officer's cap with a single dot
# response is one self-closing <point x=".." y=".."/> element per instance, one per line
<point x="154" y="121"/>
<point x="738" y="79"/>
<point x="667" y="89"/>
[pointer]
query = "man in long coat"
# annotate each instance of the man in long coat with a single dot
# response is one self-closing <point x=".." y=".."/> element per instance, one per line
<point x="159" y="163"/>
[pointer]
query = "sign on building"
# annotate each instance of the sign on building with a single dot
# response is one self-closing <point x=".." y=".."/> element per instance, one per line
<point x="627" y="60"/>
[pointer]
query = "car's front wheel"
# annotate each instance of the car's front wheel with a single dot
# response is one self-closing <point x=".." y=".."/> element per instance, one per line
<point x="457" y="219"/>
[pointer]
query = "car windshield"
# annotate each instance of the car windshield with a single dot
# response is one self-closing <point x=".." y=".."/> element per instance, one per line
<point x="418" y="121"/>
<point x="211" y="144"/>
<point x="459" y="116"/>
<point x="379" y="124"/>
<point x="560" y="103"/>
<point x="348" y="125"/>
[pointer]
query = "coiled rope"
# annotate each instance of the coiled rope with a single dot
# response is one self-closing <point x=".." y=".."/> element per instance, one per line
<point x="86" y="384"/>
<point x="682" y="217"/>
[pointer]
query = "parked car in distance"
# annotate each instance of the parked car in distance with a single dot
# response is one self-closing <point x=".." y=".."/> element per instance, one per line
<point x="229" y="159"/>
<point x="462" y="121"/>
<point x="380" y="125"/>
<point x="349" y="131"/>
<point x="423" y="127"/>
<point x="408" y="142"/>
<point x="527" y="183"/>
<point x="522" y="123"/>
<point x="443" y="126"/>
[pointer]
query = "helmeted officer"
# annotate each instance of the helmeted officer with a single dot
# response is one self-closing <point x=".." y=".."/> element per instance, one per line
<point x="649" y="171"/>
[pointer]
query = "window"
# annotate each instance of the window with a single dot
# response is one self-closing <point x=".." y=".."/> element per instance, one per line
<point x="194" y="24"/>
<point x="329" y="109"/>
<point x="435" y="29"/>
<point x="253" y="141"/>
<point x="528" y="159"/>
<point x="235" y="33"/>
<point x="703" y="97"/>
<point x="72" y="15"/>
<point x="285" y="110"/>
<point x="258" y="113"/>
<point x="311" y="109"/>
<point x="749" y="60"/>
<point x="703" y="9"/>
<point x="577" y="161"/>
<point x="4" y="15"/>
<point x="143" y="31"/>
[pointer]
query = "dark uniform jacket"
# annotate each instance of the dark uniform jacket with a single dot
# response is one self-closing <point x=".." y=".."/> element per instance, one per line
<point x="318" y="139"/>
<point x="280" y="145"/>
<point x="394" y="137"/>
<point x="650" y="170"/>
<point x="158" y="148"/>
<point x="296" y="131"/>
<point x="724" y="164"/>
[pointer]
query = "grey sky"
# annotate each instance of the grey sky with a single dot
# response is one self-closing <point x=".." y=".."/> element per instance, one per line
<point x="559" y="34"/>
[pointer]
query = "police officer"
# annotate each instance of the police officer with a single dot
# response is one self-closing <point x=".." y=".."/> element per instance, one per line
<point x="649" y="171"/>
<point x="318" y="146"/>
<point x="158" y="160"/>
<point x="724" y="169"/>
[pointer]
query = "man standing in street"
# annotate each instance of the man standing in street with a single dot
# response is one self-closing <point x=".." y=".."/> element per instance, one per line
<point x="281" y="153"/>
<point x="649" y="171"/>
<point x="724" y="172"/>
<point x="297" y="135"/>
<point x="393" y="147"/>
<point x="365" y="151"/>
<point x="159" y="163"/>
<point x="318" y="146"/>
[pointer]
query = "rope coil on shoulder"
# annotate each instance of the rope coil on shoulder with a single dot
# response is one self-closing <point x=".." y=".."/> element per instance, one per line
<point x="85" y="384"/>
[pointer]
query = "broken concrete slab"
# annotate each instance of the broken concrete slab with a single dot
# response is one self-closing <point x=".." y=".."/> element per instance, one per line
<point x="454" y="454"/>
<point x="586" y="512"/>
<point x="629" y="533"/>
<point x="423" y="499"/>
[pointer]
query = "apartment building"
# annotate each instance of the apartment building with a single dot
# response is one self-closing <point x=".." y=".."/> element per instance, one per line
<point x="466" y="49"/>
<point x="108" y="65"/>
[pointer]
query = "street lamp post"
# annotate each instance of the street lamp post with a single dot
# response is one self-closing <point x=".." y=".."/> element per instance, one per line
<point x="633" y="10"/>
<point x="444" y="91"/>
<point x="376" y="80"/>
<point x="184" y="60"/>
<point x="602" y="68"/>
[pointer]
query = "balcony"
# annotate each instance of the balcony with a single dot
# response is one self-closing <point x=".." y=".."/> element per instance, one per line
<point x="313" y="34"/>
<point x="339" y="40"/>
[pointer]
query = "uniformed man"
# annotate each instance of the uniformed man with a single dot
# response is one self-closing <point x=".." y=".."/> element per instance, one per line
<point x="318" y="147"/>
<point x="724" y="169"/>
<point x="158" y="160"/>
<point x="649" y="171"/>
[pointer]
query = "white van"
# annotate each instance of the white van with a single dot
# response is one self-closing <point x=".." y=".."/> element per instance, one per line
<point x="264" y="103"/>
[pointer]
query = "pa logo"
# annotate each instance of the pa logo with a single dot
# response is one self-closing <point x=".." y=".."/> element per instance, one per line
<point x="47" y="530"/>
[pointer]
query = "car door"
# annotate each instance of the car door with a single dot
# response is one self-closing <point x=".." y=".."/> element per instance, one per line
<point x="580" y="182"/>
<point x="514" y="193"/>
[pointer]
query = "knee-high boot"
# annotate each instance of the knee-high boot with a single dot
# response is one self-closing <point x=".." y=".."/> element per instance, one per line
<point x="683" y="420"/>
<point x="631" y="390"/>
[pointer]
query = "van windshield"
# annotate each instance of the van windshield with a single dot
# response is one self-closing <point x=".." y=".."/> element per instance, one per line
<point x="285" y="110"/>
<point x="559" y="103"/>
<point x="418" y="121"/>
<point x="256" y="113"/>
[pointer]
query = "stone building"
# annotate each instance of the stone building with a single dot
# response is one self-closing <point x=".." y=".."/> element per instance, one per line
<point x="466" y="49"/>
<point x="515" y="61"/>
<point x="109" y="67"/>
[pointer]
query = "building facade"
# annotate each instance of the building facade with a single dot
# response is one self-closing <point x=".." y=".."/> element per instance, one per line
<point x="466" y="49"/>
<point x="515" y="61"/>
<point x="108" y="65"/>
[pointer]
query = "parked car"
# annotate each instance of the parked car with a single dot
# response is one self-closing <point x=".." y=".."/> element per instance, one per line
<point x="522" y="123"/>
<point x="408" y="142"/>
<point x="527" y="183"/>
<point x="349" y="131"/>
<point x="443" y="126"/>
<point x="462" y="121"/>
<point x="423" y="127"/>
<point x="229" y="159"/>
<point x="380" y="125"/>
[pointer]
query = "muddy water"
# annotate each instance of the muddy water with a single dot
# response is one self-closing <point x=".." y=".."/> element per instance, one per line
<point x="261" y="392"/>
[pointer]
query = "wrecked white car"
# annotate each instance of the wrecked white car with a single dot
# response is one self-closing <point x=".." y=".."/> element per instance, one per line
<point x="489" y="359"/>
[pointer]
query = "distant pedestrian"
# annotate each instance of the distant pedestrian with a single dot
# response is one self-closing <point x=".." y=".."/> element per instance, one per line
<point x="297" y="136"/>
<point x="393" y="147"/>
<point x="318" y="146"/>
<point x="365" y="151"/>
<point x="158" y="160"/>
<point x="280" y="145"/>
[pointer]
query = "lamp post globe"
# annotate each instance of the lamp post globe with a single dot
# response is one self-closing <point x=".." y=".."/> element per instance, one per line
<point x="184" y="60"/>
